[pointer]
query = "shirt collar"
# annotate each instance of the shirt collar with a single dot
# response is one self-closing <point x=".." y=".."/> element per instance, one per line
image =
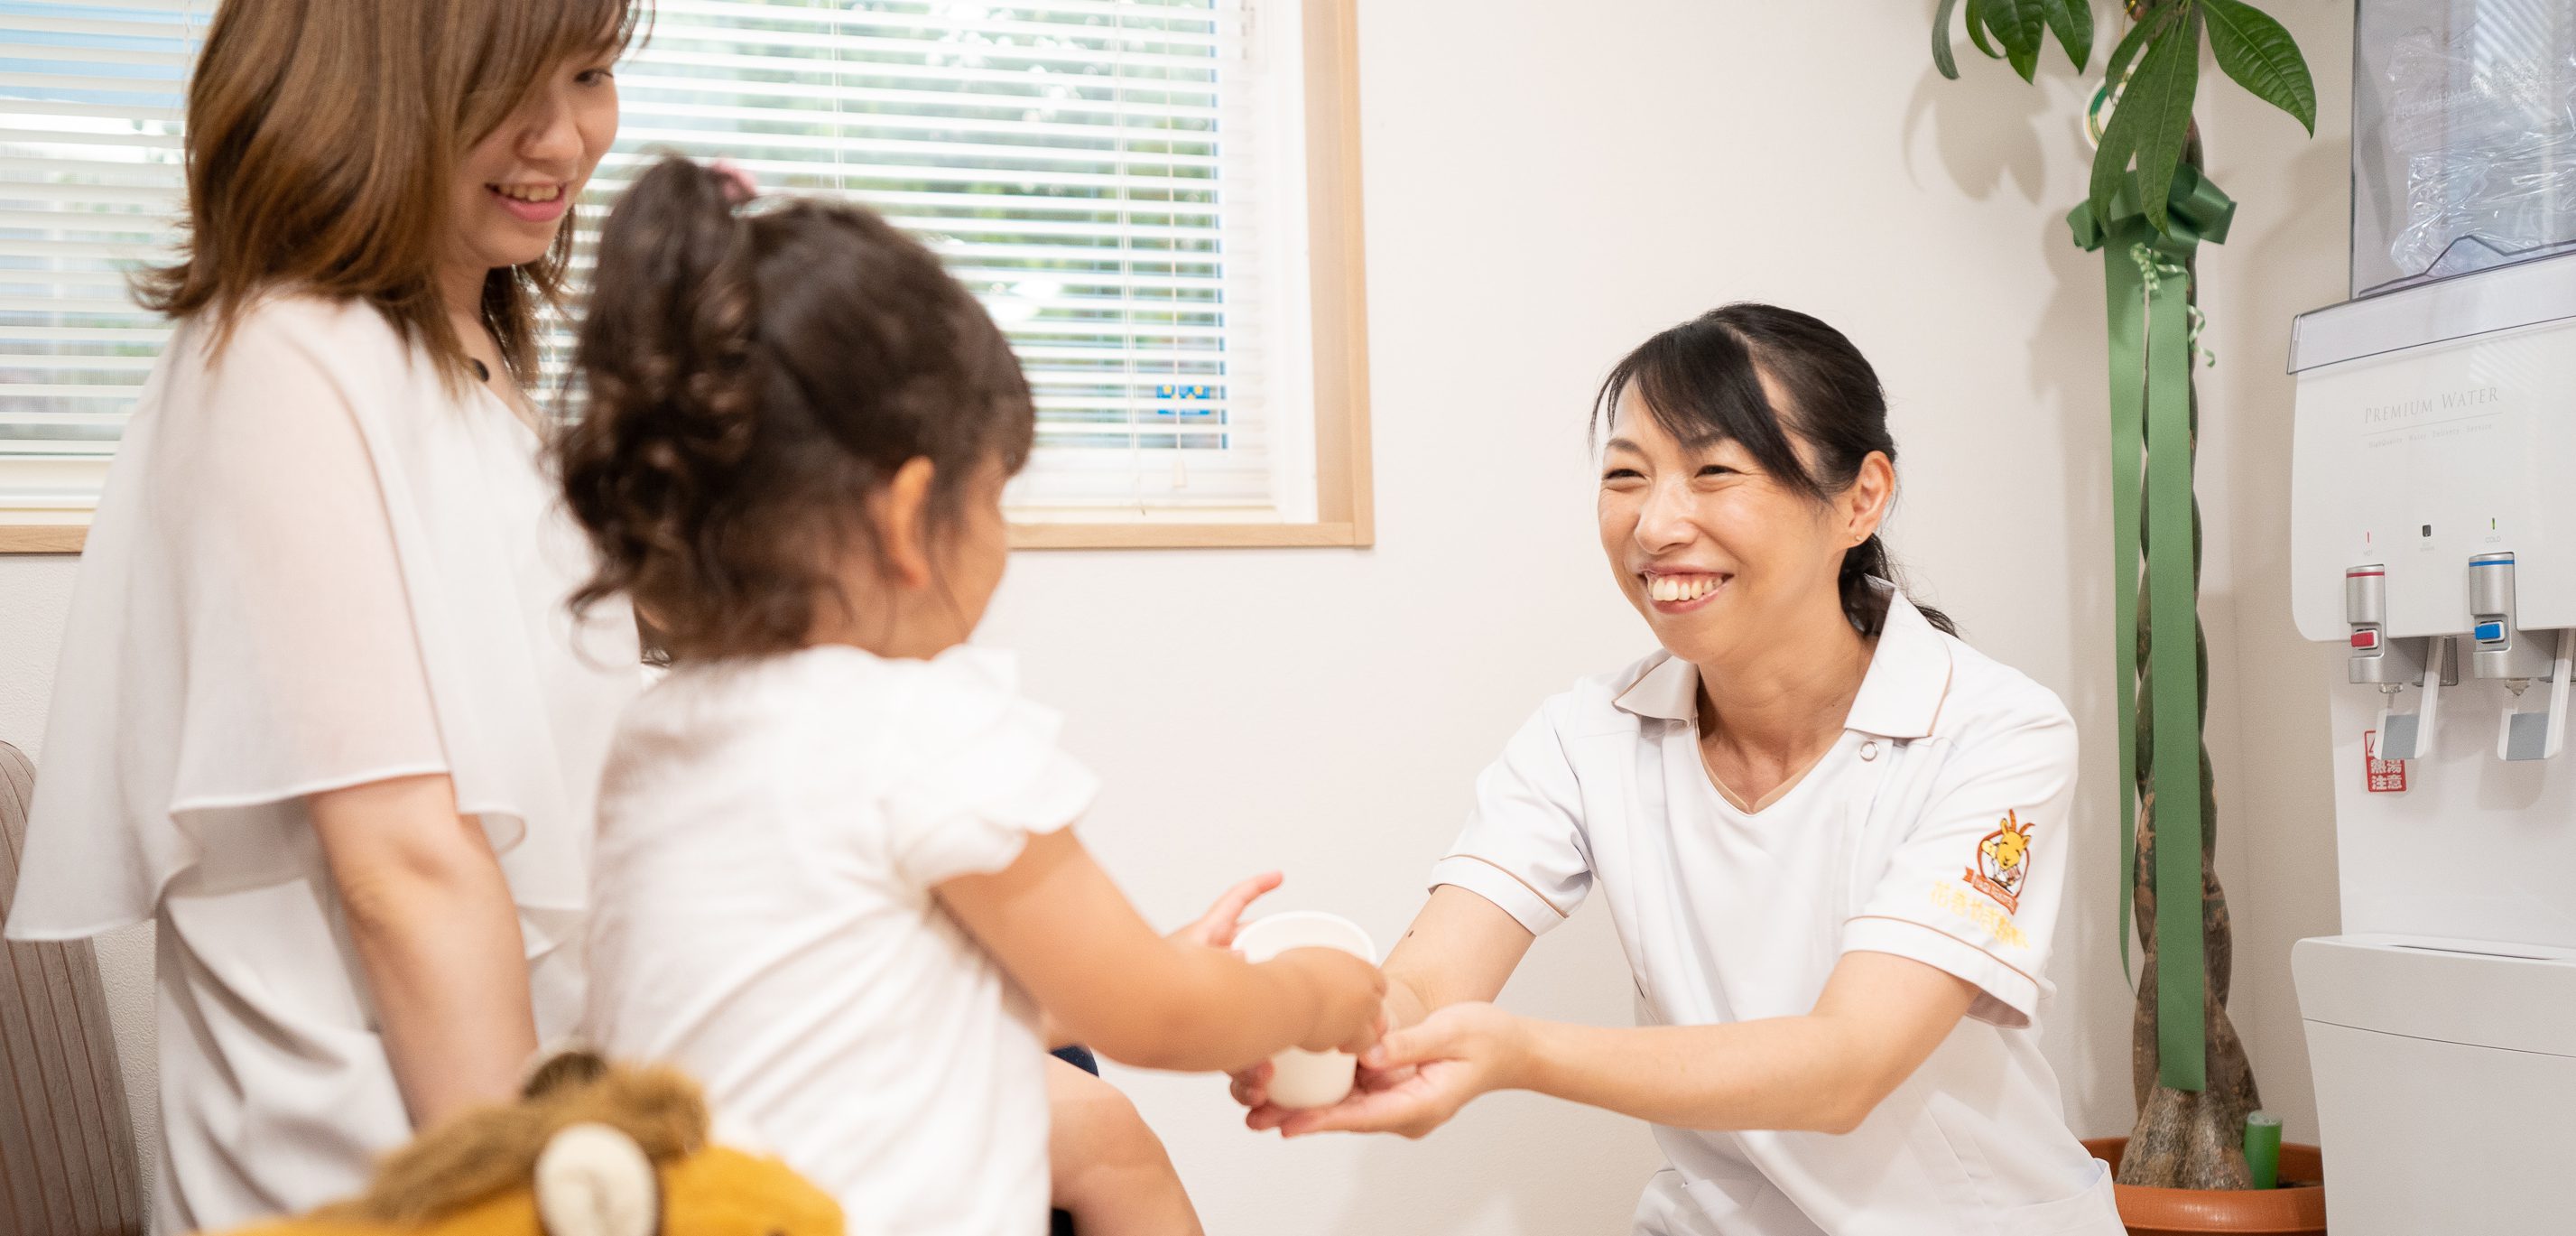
<point x="1900" y="696"/>
<point x="1909" y="675"/>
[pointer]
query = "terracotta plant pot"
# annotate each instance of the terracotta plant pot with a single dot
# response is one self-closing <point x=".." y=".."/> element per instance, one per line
<point x="2297" y="1208"/>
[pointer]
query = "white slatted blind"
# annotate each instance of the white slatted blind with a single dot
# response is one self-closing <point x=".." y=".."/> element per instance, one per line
<point x="1103" y="174"/>
<point x="90" y="97"/>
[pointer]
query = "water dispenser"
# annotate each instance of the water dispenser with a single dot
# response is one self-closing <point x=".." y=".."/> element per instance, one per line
<point x="2433" y="540"/>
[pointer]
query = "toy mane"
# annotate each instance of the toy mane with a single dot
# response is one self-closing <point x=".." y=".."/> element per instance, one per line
<point x="492" y="1150"/>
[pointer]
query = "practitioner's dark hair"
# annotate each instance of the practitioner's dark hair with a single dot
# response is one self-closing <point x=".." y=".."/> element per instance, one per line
<point x="1702" y="382"/>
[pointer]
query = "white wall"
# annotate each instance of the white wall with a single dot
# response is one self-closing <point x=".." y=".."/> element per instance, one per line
<point x="1542" y="193"/>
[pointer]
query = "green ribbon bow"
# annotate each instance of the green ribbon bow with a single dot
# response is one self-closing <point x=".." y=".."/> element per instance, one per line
<point x="2154" y="338"/>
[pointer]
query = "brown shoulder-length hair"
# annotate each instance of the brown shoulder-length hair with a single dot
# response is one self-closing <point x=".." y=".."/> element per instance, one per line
<point x="323" y="139"/>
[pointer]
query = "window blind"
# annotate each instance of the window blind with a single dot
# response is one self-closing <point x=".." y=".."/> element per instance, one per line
<point x="1096" y="171"/>
<point x="90" y="185"/>
<point x="1090" y="168"/>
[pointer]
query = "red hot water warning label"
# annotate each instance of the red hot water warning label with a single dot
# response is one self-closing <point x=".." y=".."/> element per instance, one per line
<point x="2380" y="776"/>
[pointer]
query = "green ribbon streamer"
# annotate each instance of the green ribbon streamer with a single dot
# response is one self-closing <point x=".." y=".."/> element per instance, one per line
<point x="2154" y="335"/>
<point x="2173" y="687"/>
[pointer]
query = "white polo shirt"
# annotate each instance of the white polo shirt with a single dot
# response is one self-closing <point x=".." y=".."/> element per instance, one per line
<point x="1935" y="829"/>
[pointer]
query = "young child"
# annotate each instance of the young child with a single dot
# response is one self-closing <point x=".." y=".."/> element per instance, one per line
<point x="833" y="877"/>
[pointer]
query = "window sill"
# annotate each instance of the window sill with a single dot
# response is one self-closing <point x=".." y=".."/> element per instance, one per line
<point x="68" y="538"/>
<point x="1189" y="536"/>
<point x="42" y="538"/>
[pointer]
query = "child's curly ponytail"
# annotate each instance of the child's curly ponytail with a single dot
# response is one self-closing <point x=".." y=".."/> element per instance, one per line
<point x="751" y="377"/>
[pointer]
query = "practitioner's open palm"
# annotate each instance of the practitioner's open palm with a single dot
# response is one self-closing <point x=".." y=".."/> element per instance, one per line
<point x="1251" y="1084"/>
<point x="1419" y="1077"/>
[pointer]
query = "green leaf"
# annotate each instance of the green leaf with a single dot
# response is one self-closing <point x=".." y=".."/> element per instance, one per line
<point x="2127" y="49"/>
<point x="2111" y="160"/>
<point x="2262" y="57"/>
<point x="2120" y="137"/>
<point x="2022" y="27"/>
<point x="2161" y="95"/>
<point x="1942" y="58"/>
<point x="1977" y="28"/>
<point x="2073" y="22"/>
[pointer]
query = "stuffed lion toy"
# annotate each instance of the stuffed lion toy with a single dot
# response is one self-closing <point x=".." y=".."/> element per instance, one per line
<point x="592" y="1149"/>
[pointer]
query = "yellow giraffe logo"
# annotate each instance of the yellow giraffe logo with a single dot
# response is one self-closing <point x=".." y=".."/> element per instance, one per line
<point x="2002" y="862"/>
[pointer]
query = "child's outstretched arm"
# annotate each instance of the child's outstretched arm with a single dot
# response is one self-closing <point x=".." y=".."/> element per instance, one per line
<point x="1214" y="929"/>
<point x="1071" y="938"/>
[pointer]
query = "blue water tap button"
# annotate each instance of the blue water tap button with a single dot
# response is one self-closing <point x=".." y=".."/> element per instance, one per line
<point x="2489" y="632"/>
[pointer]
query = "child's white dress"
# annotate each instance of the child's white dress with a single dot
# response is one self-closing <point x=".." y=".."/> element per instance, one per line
<point x="772" y="831"/>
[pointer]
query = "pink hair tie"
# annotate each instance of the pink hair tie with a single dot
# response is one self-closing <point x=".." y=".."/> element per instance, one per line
<point x="739" y="186"/>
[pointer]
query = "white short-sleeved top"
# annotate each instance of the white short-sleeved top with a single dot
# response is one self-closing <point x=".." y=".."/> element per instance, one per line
<point x="314" y="566"/>
<point x="1935" y="829"/>
<point x="772" y="833"/>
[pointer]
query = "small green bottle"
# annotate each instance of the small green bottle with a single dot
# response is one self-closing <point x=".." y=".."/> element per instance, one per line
<point x="2263" y="1149"/>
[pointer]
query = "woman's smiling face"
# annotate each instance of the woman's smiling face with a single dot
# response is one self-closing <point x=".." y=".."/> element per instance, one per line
<point x="1712" y="549"/>
<point x="517" y="184"/>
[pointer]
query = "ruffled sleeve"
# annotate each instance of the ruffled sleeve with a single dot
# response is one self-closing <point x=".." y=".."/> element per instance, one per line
<point x="312" y="569"/>
<point x="983" y="772"/>
<point x="300" y="663"/>
<point x="239" y="637"/>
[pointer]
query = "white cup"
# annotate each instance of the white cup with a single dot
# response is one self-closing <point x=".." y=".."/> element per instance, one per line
<point x="1303" y="1079"/>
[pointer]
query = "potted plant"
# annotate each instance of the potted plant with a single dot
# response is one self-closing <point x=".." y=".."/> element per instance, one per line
<point x="2183" y="1167"/>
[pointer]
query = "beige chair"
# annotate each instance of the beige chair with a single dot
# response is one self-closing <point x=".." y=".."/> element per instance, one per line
<point x="67" y="1163"/>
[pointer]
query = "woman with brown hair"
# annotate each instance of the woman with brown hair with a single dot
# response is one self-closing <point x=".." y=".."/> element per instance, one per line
<point x="322" y="711"/>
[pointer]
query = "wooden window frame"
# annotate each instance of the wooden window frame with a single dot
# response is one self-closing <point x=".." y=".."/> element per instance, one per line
<point x="1345" y="513"/>
<point x="33" y="538"/>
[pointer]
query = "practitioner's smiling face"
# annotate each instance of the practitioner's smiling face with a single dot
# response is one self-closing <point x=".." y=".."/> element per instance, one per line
<point x="517" y="184"/>
<point x="1711" y="549"/>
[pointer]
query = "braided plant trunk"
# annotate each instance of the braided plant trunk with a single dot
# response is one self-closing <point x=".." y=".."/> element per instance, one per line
<point x="2185" y="1140"/>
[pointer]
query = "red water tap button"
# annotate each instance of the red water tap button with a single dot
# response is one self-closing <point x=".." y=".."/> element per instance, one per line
<point x="2365" y="640"/>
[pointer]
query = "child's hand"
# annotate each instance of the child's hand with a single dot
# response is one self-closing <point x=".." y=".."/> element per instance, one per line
<point x="1216" y="928"/>
<point x="1350" y="998"/>
<point x="1251" y="1085"/>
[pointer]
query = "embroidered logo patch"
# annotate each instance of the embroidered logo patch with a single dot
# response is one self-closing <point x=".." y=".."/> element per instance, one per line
<point x="2002" y="863"/>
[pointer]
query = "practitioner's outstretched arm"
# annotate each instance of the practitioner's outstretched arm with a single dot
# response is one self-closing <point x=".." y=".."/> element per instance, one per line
<point x="1880" y="1017"/>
